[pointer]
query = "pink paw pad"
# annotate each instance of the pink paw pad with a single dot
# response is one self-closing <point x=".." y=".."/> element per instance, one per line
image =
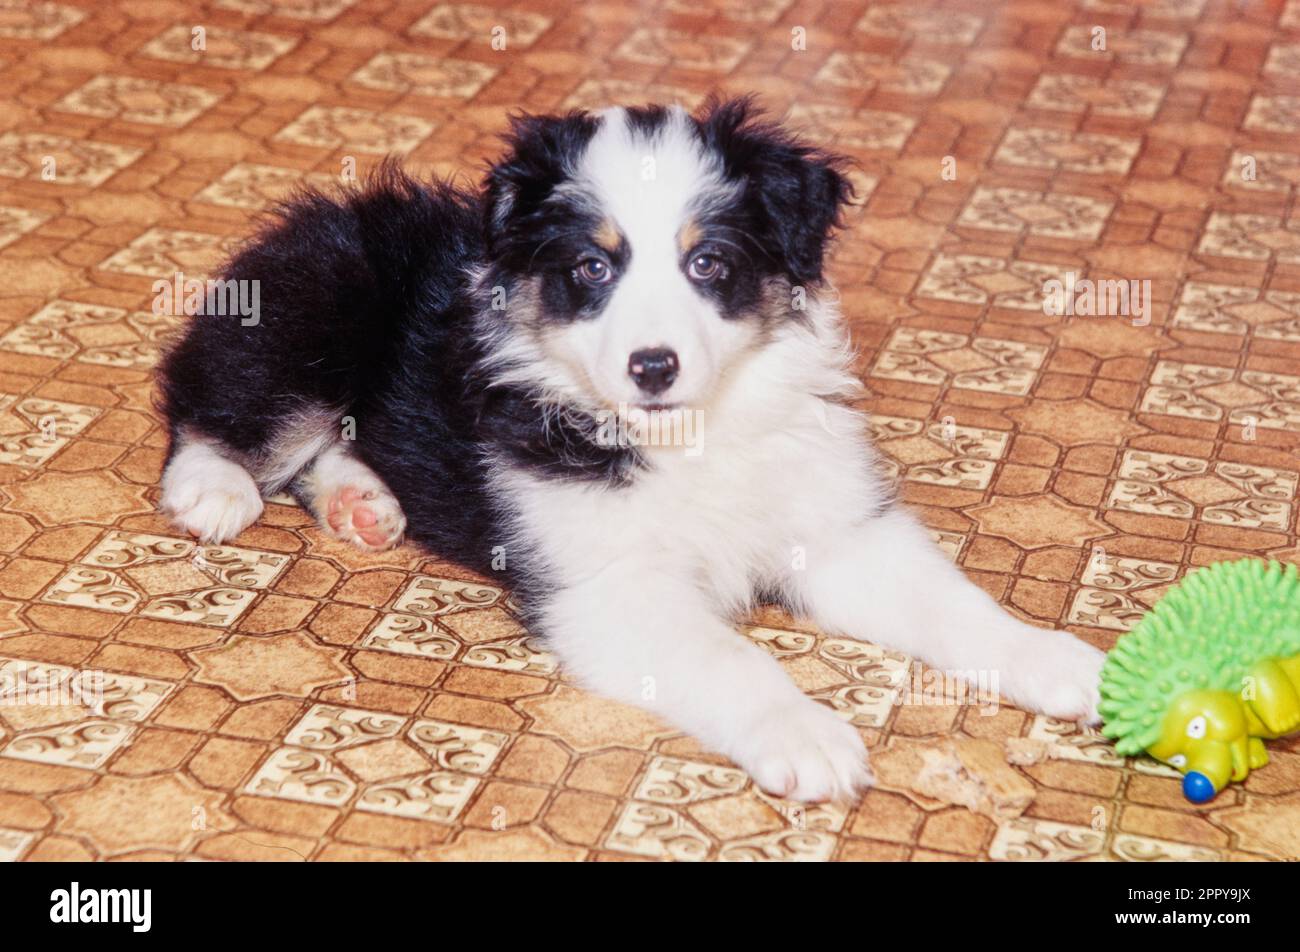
<point x="365" y="518"/>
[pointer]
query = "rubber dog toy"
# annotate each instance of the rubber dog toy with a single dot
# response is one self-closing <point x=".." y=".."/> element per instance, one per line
<point x="1208" y="674"/>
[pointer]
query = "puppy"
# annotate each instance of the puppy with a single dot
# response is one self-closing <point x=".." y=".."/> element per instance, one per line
<point x="468" y="369"/>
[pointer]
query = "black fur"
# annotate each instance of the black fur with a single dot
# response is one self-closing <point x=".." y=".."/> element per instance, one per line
<point x="793" y="192"/>
<point x="541" y="152"/>
<point x="368" y="310"/>
<point x="527" y="235"/>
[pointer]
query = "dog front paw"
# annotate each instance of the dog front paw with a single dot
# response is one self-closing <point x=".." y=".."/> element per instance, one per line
<point x="1056" y="674"/>
<point x="805" y="751"/>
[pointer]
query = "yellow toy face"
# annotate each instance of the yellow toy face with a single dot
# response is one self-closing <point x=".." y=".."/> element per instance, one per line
<point x="1197" y="735"/>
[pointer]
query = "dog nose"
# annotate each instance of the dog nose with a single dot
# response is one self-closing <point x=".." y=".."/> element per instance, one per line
<point x="654" y="369"/>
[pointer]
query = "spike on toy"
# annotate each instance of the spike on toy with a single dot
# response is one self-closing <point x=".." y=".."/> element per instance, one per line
<point x="1209" y="674"/>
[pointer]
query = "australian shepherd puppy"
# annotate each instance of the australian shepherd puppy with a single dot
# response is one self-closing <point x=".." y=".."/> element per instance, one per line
<point x="474" y="370"/>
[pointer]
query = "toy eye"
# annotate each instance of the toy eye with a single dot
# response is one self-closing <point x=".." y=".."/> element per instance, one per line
<point x="1178" y="760"/>
<point x="704" y="268"/>
<point x="1196" y="728"/>
<point x="593" y="271"/>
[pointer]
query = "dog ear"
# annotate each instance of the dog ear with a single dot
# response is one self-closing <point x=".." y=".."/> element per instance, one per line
<point x="797" y="192"/>
<point x="540" y="154"/>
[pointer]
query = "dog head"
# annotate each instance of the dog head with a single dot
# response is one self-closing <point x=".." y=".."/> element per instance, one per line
<point x="642" y="252"/>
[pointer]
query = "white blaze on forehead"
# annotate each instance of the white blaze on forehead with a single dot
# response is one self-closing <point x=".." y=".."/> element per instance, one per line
<point x="649" y="185"/>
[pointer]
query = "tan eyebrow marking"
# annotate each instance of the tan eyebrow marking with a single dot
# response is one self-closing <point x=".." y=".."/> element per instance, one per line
<point x="689" y="235"/>
<point x="607" y="236"/>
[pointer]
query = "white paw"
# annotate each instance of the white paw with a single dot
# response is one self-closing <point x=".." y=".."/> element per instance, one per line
<point x="214" y="511"/>
<point x="1057" y="675"/>
<point x="369" y="517"/>
<point x="805" y="751"/>
<point x="208" y="495"/>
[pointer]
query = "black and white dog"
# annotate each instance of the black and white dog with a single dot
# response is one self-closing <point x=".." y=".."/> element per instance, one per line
<point x="614" y="265"/>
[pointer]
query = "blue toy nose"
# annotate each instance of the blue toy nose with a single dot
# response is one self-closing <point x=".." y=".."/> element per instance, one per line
<point x="1197" y="787"/>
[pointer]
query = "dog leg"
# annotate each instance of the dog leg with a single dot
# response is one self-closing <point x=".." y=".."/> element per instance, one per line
<point x="207" y="494"/>
<point x="351" y="503"/>
<point x="649" y="639"/>
<point x="886" y="581"/>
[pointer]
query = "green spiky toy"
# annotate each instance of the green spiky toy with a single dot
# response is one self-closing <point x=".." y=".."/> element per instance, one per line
<point x="1209" y="673"/>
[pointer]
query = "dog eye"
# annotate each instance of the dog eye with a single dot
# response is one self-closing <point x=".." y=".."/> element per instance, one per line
<point x="704" y="268"/>
<point x="593" y="271"/>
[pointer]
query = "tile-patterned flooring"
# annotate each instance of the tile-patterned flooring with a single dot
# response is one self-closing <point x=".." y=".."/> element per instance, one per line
<point x="285" y="697"/>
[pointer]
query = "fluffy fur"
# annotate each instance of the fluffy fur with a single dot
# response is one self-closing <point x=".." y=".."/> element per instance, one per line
<point x="477" y="342"/>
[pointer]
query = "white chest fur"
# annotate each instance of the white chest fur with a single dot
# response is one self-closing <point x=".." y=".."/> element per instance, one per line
<point x="775" y="467"/>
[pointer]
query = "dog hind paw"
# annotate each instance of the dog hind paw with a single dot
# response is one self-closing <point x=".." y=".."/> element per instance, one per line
<point x="215" y="503"/>
<point x="370" y="519"/>
<point x="214" y="515"/>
